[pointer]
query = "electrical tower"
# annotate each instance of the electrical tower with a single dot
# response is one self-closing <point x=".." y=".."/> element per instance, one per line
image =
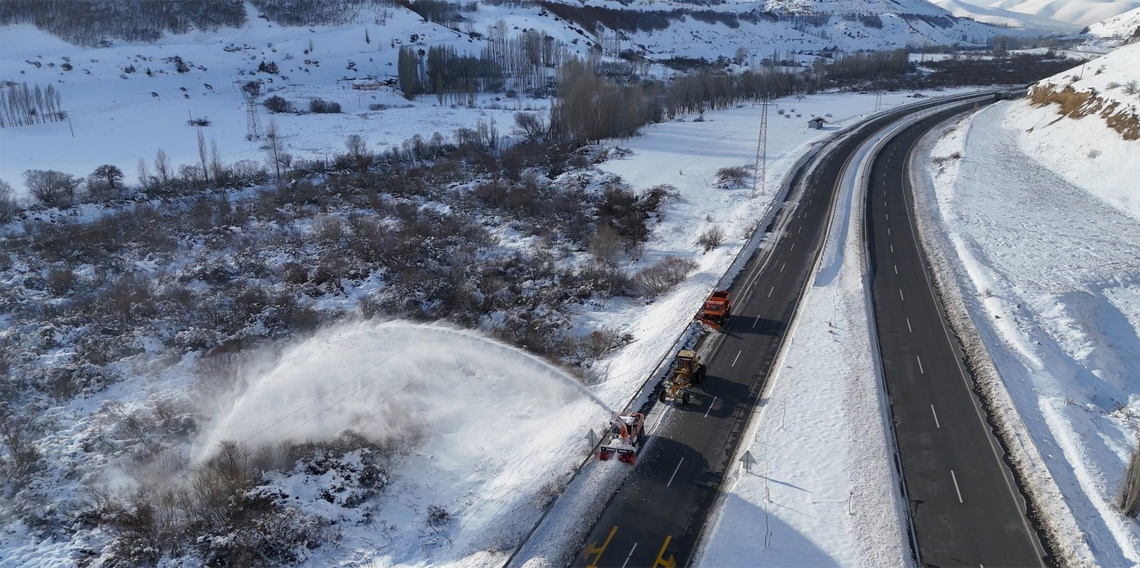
<point x="760" y="169"/>
<point x="251" y="93"/>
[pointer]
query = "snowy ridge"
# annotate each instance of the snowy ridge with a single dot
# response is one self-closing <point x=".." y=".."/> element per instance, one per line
<point x="1078" y="12"/>
<point x="1001" y="17"/>
<point x="1122" y="26"/>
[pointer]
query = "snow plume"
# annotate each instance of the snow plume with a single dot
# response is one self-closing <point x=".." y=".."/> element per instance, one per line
<point x="389" y="379"/>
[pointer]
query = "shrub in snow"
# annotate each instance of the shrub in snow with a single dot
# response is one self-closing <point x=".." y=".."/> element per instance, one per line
<point x="731" y="176"/>
<point x="1129" y="497"/>
<point x="21" y="458"/>
<point x="437" y="516"/>
<point x="711" y="238"/>
<point x="276" y="103"/>
<point x="663" y="276"/>
<point x="321" y="106"/>
<point x="60" y="281"/>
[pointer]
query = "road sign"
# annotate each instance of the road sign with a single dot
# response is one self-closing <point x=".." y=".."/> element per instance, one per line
<point x="748" y="461"/>
<point x="592" y="438"/>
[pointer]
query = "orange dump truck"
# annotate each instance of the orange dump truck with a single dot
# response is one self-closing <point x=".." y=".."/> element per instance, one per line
<point x="715" y="311"/>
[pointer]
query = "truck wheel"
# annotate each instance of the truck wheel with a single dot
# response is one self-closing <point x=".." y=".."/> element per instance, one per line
<point x="661" y="395"/>
<point x="685" y="399"/>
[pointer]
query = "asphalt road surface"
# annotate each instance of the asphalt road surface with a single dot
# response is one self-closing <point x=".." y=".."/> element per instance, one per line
<point x="966" y="508"/>
<point x="656" y="517"/>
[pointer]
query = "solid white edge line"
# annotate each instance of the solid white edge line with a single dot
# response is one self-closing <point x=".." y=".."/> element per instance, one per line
<point x="675" y="472"/>
<point x="952" y="476"/>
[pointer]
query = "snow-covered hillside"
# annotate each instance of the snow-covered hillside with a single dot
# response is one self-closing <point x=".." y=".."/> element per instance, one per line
<point x="1085" y="125"/>
<point x="1002" y="17"/>
<point x="1032" y="212"/>
<point x="1079" y="12"/>
<point x="1123" y="26"/>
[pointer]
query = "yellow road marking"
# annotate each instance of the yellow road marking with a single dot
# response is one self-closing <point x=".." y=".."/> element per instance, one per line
<point x="661" y="561"/>
<point x="597" y="551"/>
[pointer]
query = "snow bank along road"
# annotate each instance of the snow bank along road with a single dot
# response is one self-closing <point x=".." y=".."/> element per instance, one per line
<point x="657" y="516"/>
<point x="964" y="504"/>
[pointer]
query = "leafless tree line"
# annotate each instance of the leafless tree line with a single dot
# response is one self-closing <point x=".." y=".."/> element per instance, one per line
<point x="23" y="105"/>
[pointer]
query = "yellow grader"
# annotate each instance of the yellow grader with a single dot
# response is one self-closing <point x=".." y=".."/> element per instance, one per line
<point x="688" y="371"/>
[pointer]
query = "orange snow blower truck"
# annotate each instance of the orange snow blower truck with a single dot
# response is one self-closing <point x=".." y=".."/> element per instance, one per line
<point x="625" y="438"/>
<point x="715" y="311"/>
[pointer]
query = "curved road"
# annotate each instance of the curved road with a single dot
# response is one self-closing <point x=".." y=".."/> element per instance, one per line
<point x="656" y="517"/>
<point x="965" y="505"/>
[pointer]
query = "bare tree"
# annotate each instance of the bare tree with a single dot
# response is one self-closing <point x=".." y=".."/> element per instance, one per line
<point x="217" y="168"/>
<point x="530" y="125"/>
<point x="162" y="168"/>
<point x="202" y="156"/>
<point x="52" y="188"/>
<point x="275" y="150"/>
<point x="111" y="174"/>
<point x="358" y="151"/>
<point x="144" y="175"/>
<point x="7" y="200"/>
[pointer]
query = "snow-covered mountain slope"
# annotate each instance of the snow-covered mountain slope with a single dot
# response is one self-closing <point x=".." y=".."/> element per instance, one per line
<point x="1001" y="17"/>
<point x="1079" y="12"/>
<point x="1085" y="125"/>
<point x="1123" y="26"/>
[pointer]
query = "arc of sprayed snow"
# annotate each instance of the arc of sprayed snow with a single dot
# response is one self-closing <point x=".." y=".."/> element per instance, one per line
<point x="406" y="329"/>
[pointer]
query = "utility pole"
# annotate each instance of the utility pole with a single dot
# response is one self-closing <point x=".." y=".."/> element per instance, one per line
<point x="760" y="169"/>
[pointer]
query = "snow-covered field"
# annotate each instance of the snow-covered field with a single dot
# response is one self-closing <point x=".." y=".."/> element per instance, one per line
<point x="118" y="117"/>
<point x="1035" y="217"/>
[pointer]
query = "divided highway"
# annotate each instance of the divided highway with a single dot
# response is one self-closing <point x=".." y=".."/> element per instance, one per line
<point x="966" y="507"/>
<point x="656" y="517"/>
